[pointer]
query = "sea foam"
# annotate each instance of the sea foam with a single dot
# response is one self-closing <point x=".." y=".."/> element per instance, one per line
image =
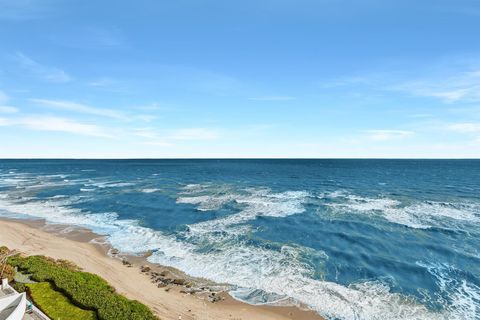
<point x="257" y="273"/>
<point x="421" y="214"/>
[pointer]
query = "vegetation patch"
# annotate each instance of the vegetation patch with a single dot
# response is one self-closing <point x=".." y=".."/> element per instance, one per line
<point x="86" y="290"/>
<point x="55" y="304"/>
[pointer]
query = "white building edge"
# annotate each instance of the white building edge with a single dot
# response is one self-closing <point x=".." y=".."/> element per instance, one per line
<point x="16" y="306"/>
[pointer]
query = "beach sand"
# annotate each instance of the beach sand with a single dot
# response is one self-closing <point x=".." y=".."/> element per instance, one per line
<point x="36" y="238"/>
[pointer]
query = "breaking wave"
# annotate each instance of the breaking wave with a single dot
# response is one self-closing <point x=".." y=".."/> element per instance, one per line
<point x="420" y="215"/>
<point x="219" y="250"/>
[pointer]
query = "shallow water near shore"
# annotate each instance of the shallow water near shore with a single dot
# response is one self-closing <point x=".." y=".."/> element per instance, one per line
<point x="352" y="239"/>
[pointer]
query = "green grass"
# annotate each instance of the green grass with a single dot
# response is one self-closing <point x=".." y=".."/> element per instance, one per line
<point x="84" y="290"/>
<point x="55" y="304"/>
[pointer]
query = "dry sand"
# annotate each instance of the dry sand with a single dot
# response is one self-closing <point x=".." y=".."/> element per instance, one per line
<point x="32" y="238"/>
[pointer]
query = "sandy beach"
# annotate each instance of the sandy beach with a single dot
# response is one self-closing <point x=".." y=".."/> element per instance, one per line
<point x="35" y="238"/>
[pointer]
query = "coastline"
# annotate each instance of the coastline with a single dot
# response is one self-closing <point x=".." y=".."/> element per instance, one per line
<point x="34" y="237"/>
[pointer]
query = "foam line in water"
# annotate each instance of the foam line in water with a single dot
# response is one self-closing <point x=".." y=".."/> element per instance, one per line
<point x="420" y="215"/>
<point x="276" y="272"/>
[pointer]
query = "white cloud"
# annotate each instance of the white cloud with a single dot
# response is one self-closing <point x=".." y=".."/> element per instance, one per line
<point x="46" y="123"/>
<point x="466" y="127"/>
<point x="81" y="108"/>
<point x="448" y="96"/>
<point x="272" y="98"/>
<point x="44" y="72"/>
<point x="386" y="135"/>
<point x="62" y="125"/>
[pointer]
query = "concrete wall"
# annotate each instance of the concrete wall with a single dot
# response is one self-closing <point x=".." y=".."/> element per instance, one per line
<point x="16" y="303"/>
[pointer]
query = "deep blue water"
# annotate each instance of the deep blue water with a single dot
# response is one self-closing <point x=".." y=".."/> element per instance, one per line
<point x="353" y="239"/>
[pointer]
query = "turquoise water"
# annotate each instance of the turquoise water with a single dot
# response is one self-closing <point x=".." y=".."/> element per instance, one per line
<point x="353" y="239"/>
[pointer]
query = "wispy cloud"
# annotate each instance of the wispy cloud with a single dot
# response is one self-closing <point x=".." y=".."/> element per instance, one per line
<point x="8" y="109"/>
<point x="272" y="98"/>
<point x="460" y="87"/>
<point x="354" y="80"/>
<point x="151" y="137"/>
<point x="387" y="135"/>
<point x="87" y="109"/>
<point x="4" y="108"/>
<point x="466" y="127"/>
<point x="145" y="117"/>
<point x="25" y="9"/>
<point x="457" y="81"/>
<point x="148" y="133"/>
<point x="47" y="73"/>
<point x="445" y="92"/>
<point x="103" y="83"/>
<point x="109" y="84"/>
<point x="57" y="124"/>
<point x="80" y="108"/>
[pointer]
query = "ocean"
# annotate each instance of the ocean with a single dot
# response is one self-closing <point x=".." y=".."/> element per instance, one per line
<point x="352" y="239"/>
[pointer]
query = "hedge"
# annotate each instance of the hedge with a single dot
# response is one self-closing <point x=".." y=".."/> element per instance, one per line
<point x="86" y="290"/>
<point x="55" y="304"/>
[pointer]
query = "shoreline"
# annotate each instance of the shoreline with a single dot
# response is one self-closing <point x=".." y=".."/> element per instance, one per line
<point x="149" y="286"/>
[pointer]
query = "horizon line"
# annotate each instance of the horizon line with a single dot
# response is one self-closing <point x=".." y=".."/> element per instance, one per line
<point x="233" y="158"/>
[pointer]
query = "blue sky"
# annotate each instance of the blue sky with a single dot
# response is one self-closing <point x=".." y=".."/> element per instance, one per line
<point x="263" y="78"/>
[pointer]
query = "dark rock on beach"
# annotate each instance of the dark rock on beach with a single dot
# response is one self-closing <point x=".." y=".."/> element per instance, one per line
<point x="179" y="281"/>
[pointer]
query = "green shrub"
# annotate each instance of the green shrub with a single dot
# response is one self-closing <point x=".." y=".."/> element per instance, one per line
<point x="55" y="304"/>
<point x="86" y="290"/>
<point x="20" y="287"/>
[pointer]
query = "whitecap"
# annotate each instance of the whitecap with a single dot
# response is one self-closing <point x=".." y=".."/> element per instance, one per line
<point x="420" y="215"/>
<point x="464" y="295"/>
<point x="277" y="272"/>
